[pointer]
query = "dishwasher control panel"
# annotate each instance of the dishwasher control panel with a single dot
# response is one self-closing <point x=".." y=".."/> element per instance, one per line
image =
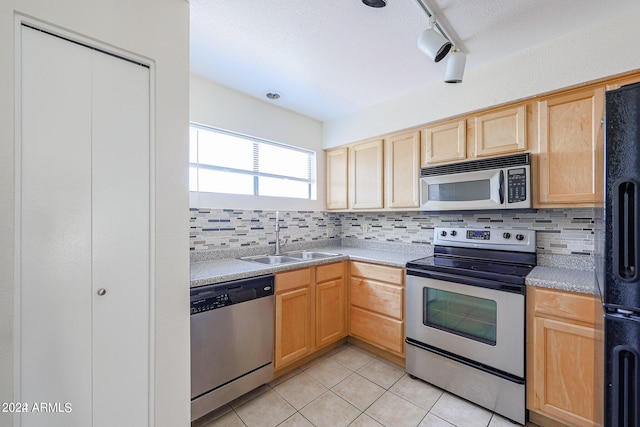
<point x="221" y="295"/>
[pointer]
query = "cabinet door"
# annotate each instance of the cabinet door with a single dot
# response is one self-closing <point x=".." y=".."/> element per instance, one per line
<point x="402" y="170"/>
<point x="293" y="326"/>
<point x="330" y="308"/>
<point x="446" y="142"/>
<point x="337" y="178"/>
<point x="501" y="132"/>
<point x="561" y="368"/>
<point x="563" y="376"/>
<point x="571" y="145"/>
<point x="365" y="175"/>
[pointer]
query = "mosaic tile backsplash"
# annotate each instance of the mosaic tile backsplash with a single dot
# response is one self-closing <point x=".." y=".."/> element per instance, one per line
<point x="231" y="229"/>
<point x="559" y="231"/>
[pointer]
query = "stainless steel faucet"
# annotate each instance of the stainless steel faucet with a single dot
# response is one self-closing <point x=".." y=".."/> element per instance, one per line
<point x="277" y="233"/>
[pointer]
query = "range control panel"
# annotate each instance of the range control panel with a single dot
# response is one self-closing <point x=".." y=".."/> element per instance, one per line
<point x="501" y="239"/>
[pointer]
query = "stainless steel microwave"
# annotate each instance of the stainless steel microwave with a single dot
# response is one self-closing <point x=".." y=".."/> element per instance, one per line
<point x="476" y="185"/>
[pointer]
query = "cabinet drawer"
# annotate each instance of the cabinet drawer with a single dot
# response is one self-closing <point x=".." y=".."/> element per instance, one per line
<point x="292" y="279"/>
<point x="378" y="297"/>
<point x="378" y="272"/>
<point x="329" y="272"/>
<point x="378" y="330"/>
<point x="564" y="304"/>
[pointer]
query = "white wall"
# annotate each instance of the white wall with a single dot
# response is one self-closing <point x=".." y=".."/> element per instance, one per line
<point x="606" y="49"/>
<point x="159" y="30"/>
<point x="218" y="106"/>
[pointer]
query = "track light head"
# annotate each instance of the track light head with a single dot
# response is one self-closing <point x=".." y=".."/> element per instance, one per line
<point x="375" y="3"/>
<point x="432" y="43"/>
<point x="455" y="67"/>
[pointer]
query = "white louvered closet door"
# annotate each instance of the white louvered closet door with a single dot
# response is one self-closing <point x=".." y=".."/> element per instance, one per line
<point x="84" y="235"/>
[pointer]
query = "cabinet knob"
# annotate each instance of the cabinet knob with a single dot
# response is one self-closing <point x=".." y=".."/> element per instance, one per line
<point x="101" y="292"/>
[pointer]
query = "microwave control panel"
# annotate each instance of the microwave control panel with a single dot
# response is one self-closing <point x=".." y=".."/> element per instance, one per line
<point x="516" y="185"/>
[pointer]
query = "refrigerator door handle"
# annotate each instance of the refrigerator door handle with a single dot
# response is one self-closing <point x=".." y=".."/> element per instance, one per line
<point x="625" y="233"/>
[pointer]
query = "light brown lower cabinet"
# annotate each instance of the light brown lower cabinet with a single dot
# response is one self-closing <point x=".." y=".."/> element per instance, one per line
<point x="330" y="304"/>
<point x="377" y="306"/>
<point x="560" y="349"/>
<point x="294" y="316"/>
<point x="310" y="311"/>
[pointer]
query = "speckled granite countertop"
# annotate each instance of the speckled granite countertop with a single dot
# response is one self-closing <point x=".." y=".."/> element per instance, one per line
<point x="226" y="269"/>
<point x="553" y="274"/>
<point x="564" y="279"/>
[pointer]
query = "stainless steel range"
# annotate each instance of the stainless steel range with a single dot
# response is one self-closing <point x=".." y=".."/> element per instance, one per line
<point x="465" y="310"/>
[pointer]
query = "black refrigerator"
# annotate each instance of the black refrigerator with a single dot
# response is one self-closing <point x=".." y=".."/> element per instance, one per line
<point x="618" y="259"/>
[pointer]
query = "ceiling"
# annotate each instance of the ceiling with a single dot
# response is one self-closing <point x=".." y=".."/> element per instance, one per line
<point x="329" y="58"/>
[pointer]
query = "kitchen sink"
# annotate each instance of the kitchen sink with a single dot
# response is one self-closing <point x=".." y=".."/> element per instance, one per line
<point x="271" y="259"/>
<point x="306" y="255"/>
<point x="288" y="257"/>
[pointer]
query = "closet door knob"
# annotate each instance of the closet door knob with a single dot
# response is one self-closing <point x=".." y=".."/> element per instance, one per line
<point x="102" y="291"/>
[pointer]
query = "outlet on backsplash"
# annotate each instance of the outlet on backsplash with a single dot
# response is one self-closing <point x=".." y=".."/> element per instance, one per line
<point x="365" y="228"/>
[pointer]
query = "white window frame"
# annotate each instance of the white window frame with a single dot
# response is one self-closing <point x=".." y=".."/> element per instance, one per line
<point x="311" y="180"/>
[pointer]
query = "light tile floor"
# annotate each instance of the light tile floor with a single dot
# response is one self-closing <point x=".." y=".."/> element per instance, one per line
<point x="350" y="387"/>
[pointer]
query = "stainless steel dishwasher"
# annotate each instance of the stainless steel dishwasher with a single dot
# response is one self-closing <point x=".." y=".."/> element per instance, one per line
<point x="231" y="341"/>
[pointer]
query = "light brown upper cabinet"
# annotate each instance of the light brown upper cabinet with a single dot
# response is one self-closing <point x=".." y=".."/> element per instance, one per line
<point x="444" y="142"/>
<point x="500" y="132"/>
<point x="571" y="149"/>
<point x="494" y="133"/>
<point x="616" y="84"/>
<point x="366" y="175"/>
<point x="402" y="170"/>
<point x="337" y="178"/>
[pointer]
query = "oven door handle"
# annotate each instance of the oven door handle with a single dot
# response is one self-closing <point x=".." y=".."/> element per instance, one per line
<point x="467" y="280"/>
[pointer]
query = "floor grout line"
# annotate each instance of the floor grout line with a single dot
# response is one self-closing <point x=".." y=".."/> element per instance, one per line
<point x="330" y="358"/>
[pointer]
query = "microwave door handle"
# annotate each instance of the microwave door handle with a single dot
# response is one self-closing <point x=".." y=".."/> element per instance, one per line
<point x="501" y="188"/>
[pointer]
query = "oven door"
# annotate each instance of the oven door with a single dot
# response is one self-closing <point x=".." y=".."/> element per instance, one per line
<point x="476" y="190"/>
<point x="480" y="324"/>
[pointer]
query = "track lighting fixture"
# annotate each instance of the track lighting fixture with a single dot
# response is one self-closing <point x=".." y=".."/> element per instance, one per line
<point x="433" y="44"/>
<point x="455" y="66"/>
<point x="375" y="3"/>
<point x="437" y="44"/>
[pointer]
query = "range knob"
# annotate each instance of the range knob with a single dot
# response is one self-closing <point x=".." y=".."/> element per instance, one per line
<point x="506" y="235"/>
<point x="453" y="232"/>
<point x="519" y="237"/>
<point x="443" y="233"/>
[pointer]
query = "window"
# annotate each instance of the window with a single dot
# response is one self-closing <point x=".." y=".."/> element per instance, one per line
<point x="226" y="162"/>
